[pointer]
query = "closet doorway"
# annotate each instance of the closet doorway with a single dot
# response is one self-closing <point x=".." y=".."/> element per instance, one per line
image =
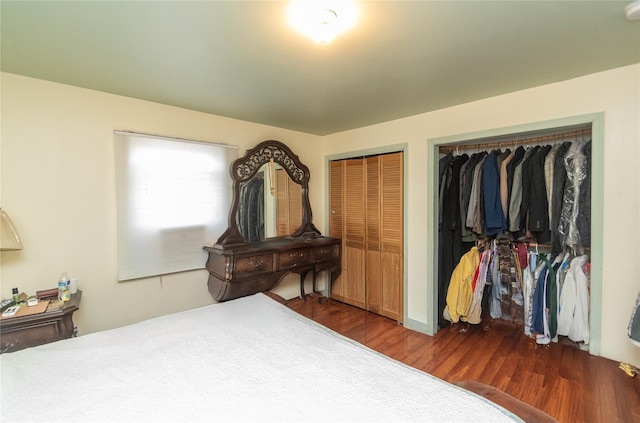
<point x="366" y="210"/>
<point x="501" y="138"/>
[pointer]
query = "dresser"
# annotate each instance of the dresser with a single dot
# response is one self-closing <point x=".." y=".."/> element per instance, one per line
<point x="52" y="325"/>
<point x="237" y="271"/>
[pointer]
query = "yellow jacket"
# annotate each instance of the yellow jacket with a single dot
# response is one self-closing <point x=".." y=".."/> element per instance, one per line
<point x="460" y="292"/>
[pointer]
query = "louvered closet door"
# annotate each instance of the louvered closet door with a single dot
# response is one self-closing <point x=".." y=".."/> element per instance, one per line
<point x="336" y="219"/>
<point x="354" y="233"/>
<point x="391" y="176"/>
<point x="374" y="233"/>
<point x="366" y="210"/>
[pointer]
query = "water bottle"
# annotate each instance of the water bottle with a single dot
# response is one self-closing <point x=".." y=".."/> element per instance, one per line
<point x="64" y="294"/>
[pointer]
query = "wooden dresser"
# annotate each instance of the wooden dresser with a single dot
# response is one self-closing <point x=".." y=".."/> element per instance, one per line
<point x="17" y="333"/>
<point x="246" y="269"/>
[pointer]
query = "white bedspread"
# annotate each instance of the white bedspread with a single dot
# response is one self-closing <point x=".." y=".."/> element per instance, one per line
<point x="249" y="359"/>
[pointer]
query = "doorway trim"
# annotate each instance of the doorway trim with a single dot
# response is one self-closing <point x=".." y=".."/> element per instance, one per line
<point x="597" y="209"/>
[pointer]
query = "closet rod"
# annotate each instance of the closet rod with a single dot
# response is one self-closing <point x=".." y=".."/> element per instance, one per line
<point x="513" y="142"/>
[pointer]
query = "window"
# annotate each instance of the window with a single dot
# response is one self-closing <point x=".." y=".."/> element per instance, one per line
<point x="172" y="197"/>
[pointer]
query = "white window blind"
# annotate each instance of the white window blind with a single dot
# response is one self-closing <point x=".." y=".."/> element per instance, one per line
<point x="173" y="197"/>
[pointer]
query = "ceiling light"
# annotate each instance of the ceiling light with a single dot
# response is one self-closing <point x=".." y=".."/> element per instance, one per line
<point x="633" y="11"/>
<point x="322" y="20"/>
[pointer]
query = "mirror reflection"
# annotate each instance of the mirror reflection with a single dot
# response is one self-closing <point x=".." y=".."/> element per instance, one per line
<point x="269" y="204"/>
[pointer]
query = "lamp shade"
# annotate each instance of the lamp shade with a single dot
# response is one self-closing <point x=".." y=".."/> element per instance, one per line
<point x="9" y="239"/>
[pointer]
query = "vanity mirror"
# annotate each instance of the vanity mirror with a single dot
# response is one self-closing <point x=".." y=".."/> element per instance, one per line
<point x="245" y="259"/>
<point x="262" y="159"/>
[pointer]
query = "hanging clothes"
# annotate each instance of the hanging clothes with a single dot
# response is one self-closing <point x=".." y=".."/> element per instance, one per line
<point x="584" y="199"/>
<point x="495" y="310"/>
<point x="543" y="291"/>
<point x="504" y="184"/>
<point x="549" y="175"/>
<point x="460" y="292"/>
<point x="538" y="211"/>
<point x="475" y="309"/>
<point x="575" y="164"/>
<point x="515" y="201"/>
<point x="521" y="233"/>
<point x="559" y="182"/>
<point x="573" y="320"/>
<point x="494" y="221"/>
<point x="536" y="194"/>
<point x="467" y="173"/>
<point x="473" y="220"/>
<point x="510" y="291"/>
<point x="529" y="278"/>
<point x="451" y="244"/>
<point x="518" y="155"/>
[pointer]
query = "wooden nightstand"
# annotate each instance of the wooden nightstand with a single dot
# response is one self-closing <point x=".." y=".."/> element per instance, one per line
<point x="21" y="332"/>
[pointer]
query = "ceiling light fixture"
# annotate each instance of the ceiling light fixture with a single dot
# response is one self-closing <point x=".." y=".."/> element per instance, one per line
<point x="632" y="11"/>
<point x="322" y="20"/>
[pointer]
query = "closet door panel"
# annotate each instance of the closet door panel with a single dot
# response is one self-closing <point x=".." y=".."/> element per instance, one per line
<point x="391" y="286"/>
<point x="354" y="205"/>
<point x="354" y="233"/>
<point x="374" y="230"/>
<point x="374" y="281"/>
<point x="391" y="202"/>
<point x="354" y="277"/>
<point x="366" y="207"/>
<point x="336" y="219"/>
<point x="373" y="203"/>
<point x="391" y="192"/>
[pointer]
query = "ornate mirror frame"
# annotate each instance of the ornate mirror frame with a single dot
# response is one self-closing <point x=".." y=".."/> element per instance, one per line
<point x="244" y="168"/>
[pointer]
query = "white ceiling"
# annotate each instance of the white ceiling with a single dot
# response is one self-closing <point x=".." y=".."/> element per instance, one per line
<point x="241" y="59"/>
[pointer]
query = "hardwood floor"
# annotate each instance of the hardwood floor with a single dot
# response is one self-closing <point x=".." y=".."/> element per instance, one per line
<point x="566" y="383"/>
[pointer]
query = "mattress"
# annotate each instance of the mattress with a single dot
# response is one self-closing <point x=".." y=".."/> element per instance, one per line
<point x="249" y="359"/>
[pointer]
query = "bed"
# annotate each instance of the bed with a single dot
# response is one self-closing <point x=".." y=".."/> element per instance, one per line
<point x="249" y="359"/>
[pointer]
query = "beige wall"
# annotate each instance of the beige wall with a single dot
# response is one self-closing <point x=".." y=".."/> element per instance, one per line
<point x="617" y="94"/>
<point x="58" y="186"/>
<point x="57" y="183"/>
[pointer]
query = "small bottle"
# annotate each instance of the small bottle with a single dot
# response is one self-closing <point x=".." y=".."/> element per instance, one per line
<point x="16" y="297"/>
<point x="63" y="288"/>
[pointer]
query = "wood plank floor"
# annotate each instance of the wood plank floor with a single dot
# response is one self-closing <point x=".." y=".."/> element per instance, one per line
<point x="566" y="383"/>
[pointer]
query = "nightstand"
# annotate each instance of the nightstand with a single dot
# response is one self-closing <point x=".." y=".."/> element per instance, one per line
<point x="21" y="332"/>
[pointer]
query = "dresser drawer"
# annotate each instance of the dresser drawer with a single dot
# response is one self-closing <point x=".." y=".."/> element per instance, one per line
<point x="294" y="258"/>
<point x="326" y="253"/>
<point x="256" y="264"/>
